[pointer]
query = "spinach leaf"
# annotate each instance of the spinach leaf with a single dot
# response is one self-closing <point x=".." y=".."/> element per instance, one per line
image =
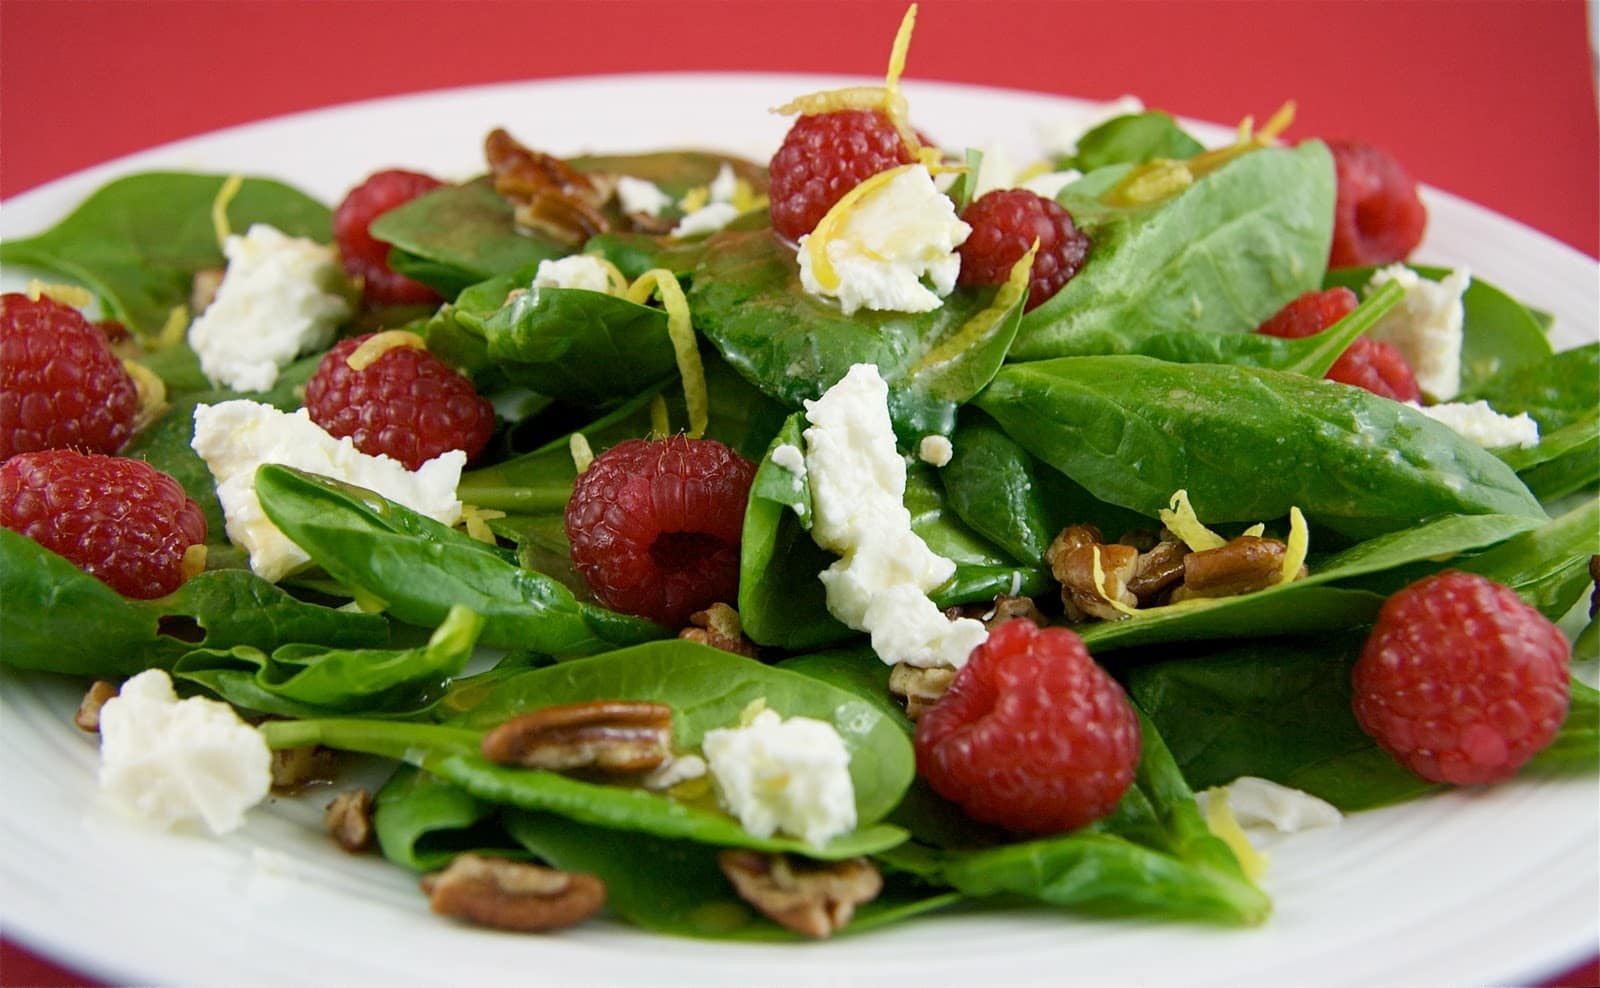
<point x="58" y="618"/>
<point x="747" y="300"/>
<point x="1133" y="430"/>
<point x="1499" y="334"/>
<point x="313" y="681"/>
<point x="458" y="235"/>
<point x="1153" y="855"/>
<point x="1309" y="604"/>
<point x="677" y="887"/>
<point x="1565" y="461"/>
<point x="706" y="688"/>
<point x="1131" y="139"/>
<point x="419" y="568"/>
<point x="1558" y="391"/>
<point x="1549" y="566"/>
<point x="421" y="822"/>
<point x="1220" y="257"/>
<point x="137" y="241"/>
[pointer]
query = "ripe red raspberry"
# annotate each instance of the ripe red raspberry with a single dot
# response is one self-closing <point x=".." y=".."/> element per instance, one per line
<point x="655" y="526"/>
<point x="120" y="520"/>
<point x="1367" y="363"/>
<point x="1032" y="734"/>
<point x="1005" y="222"/>
<point x="823" y="156"/>
<point x="408" y="404"/>
<point x="1461" y="681"/>
<point x="367" y="259"/>
<point x="62" y="386"/>
<point x="1378" y="217"/>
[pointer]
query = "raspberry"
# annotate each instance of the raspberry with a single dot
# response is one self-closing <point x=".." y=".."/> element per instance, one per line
<point x="1378" y="217"/>
<point x="407" y="404"/>
<point x="1005" y="222"/>
<point x="1032" y="734"/>
<point x="655" y="526"/>
<point x="122" y="521"/>
<point x="367" y="259"/>
<point x="823" y="156"/>
<point x="1460" y="680"/>
<point x="1367" y="363"/>
<point x="62" y="386"/>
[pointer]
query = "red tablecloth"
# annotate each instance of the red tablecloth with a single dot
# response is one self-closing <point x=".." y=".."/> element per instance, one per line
<point x="1493" y="101"/>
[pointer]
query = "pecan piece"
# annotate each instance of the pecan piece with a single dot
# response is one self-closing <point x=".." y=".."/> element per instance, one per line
<point x="1246" y="564"/>
<point x="1157" y="569"/>
<point x="203" y="289"/>
<point x="920" y="688"/>
<point x="88" y="716"/>
<point x="718" y="626"/>
<point x="513" y="895"/>
<point x="296" y="768"/>
<point x="547" y="194"/>
<point x="348" y="820"/>
<point x="1072" y="556"/>
<point x="813" y="898"/>
<point x="612" y="736"/>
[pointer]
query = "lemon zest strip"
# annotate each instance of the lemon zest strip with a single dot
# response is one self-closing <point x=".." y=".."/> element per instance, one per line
<point x="69" y="295"/>
<point x="174" y="329"/>
<point x="219" y="207"/>
<point x="1225" y="826"/>
<point x="582" y="455"/>
<point x="660" y="426"/>
<point x="476" y="521"/>
<point x="664" y="285"/>
<point x="368" y="352"/>
<point x="1099" y="574"/>
<point x="1182" y="522"/>
<point x="828" y="228"/>
<point x="976" y="328"/>
<point x="1294" y="556"/>
<point x="151" y="390"/>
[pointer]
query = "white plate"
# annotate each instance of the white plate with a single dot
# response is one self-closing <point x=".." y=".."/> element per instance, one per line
<point x="1499" y="886"/>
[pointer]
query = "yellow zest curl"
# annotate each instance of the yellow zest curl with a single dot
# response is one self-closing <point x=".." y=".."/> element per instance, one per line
<point x="582" y="455"/>
<point x="660" y="426"/>
<point x="1159" y="180"/>
<point x="219" y="207"/>
<point x="476" y="520"/>
<point x="1099" y="573"/>
<point x="663" y="284"/>
<point x="193" y="562"/>
<point x="1225" y="826"/>
<point x="1294" y="556"/>
<point x="832" y="222"/>
<point x="369" y="352"/>
<point x="1185" y="524"/>
<point x="174" y="330"/>
<point x="152" y="392"/>
<point x="70" y="295"/>
<point x="982" y="323"/>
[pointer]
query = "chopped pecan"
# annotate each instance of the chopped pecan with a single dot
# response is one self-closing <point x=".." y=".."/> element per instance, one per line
<point x="1157" y="569"/>
<point x="718" y="626"/>
<point x="920" y="688"/>
<point x="1007" y="607"/>
<point x="613" y="736"/>
<point x="204" y="288"/>
<point x="1072" y="557"/>
<point x="513" y="895"/>
<point x="1246" y="564"/>
<point x="813" y="898"/>
<point x="88" y="716"/>
<point x="547" y="194"/>
<point x="296" y="768"/>
<point x="348" y="820"/>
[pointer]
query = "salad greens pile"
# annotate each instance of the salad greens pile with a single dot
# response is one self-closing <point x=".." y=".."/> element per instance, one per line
<point x="1141" y="378"/>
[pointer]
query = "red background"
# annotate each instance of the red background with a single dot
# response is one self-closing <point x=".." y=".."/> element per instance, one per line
<point x="1493" y="101"/>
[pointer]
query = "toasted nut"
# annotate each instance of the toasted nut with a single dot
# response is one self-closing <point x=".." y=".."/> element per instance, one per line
<point x="920" y="688"/>
<point x="1074" y="567"/>
<point x="513" y="895"/>
<point x="348" y="820"/>
<point x="548" y="194"/>
<point x="612" y="736"/>
<point x="718" y="626"/>
<point x="1007" y="607"/>
<point x="88" y="716"/>
<point x="1071" y="537"/>
<point x="1157" y="569"/>
<point x="204" y="288"/>
<point x="296" y="768"/>
<point x="813" y="898"/>
<point x="1244" y="565"/>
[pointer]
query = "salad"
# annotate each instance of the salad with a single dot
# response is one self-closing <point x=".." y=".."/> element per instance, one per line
<point x="387" y="676"/>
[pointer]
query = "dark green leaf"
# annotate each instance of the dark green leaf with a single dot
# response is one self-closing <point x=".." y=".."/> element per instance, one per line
<point x="1132" y="139"/>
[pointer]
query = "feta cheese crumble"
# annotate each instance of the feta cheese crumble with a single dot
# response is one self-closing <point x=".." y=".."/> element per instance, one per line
<point x="718" y="212"/>
<point x="790" y="775"/>
<point x="167" y="761"/>
<point x="935" y="450"/>
<point x="790" y="458"/>
<point x="893" y="250"/>
<point x="638" y="195"/>
<point x="1481" y="424"/>
<point x="583" y="271"/>
<point x="236" y="437"/>
<point x="1425" y="327"/>
<point x="281" y="296"/>
<point x="1263" y="807"/>
<point x="858" y="481"/>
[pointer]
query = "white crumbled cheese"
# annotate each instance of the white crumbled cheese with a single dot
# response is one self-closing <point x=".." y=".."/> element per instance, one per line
<point x="640" y="196"/>
<point x="935" y="450"/>
<point x="707" y="219"/>
<point x="168" y="761"/>
<point x="1263" y="808"/>
<point x="881" y="581"/>
<point x="236" y="437"/>
<point x="895" y="251"/>
<point x="1483" y="425"/>
<point x="784" y="775"/>
<point x="725" y="186"/>
<point x="683" y="768"/>
<point x="281" y="296"/>
<point x="583" y="271"/>
<point x="790" y="458"/>
<point x="1425" y="327"/>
